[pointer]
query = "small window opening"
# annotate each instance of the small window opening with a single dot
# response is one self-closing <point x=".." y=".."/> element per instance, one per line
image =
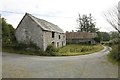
<point x="53" y="34"/>
<point x="59" y="36"/>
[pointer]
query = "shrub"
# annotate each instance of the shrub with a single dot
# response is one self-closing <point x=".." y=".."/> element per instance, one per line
<point x="83" y="49"/>
<point x="87" y="48"/>
<point x="51" y="50"/>
<point x="22" y="46"/>
<point x="115" y="53"/>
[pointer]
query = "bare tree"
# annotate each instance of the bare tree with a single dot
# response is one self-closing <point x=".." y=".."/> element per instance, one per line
<point x="113" y="17"/>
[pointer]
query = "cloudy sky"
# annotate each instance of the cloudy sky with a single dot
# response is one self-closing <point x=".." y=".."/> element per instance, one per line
<point x="60" y="12"/>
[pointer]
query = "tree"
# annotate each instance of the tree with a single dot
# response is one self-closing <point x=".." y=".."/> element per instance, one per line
<point x="8" y="37"/>
<point x="113" y="35"/>
<point x="105" y="36"/>
<point x="113" y="17"/>
<point x="98" y="37"/>
<point x="86" y="24"/>
<point x="102" y="36"/>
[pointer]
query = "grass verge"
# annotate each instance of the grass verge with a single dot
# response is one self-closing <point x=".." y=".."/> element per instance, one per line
<point x="26" y="52"/>
<point x="68" y="50"/>
<point x="114" y="55"/>
<point x="78" y="49"/>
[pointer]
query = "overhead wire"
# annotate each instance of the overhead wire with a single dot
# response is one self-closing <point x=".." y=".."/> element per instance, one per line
<point x="12" y="12"/>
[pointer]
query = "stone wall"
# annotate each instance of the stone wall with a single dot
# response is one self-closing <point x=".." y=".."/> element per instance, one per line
<point x="47" y="39"/>
<point x="28" y="31"/>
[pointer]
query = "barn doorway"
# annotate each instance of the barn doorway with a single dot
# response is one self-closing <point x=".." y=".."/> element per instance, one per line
<point x="57" y="44"/>
<point x="62" y="43"/>
<point x="53" y="43"/>
<point x="89" y="42"/>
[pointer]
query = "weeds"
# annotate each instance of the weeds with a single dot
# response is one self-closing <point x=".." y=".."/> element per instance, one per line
<point x="74" y="49"/>
<point x="51" y="50"/>
<point x="68" y="50"/>
<point x="115" y="53"/>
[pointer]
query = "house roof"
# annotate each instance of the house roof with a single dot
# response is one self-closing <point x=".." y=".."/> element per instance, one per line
<point x="45" y="25"/>
<point x="80" y="35"/>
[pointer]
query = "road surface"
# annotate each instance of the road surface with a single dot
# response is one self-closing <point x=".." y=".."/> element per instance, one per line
<point x="93" y="65"/>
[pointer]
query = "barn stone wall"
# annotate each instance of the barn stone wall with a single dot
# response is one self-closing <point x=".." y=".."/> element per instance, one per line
<point x="47" y="39"/>
<point x="28" y="31"/>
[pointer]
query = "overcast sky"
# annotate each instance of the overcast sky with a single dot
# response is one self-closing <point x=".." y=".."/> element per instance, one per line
<point x="60" y="12"/>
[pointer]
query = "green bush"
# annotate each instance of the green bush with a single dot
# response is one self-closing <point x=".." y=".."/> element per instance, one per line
<point x="86" y="48"/>
<point x="23" y="46"/>
<point x="113" y="42"/>
<point x="115" y="53"/>
<point x="115" y="45"/>
<point x="51" y="50"/>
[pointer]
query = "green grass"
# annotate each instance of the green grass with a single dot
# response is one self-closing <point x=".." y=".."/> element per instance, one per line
<point x="26" y="52"/>
<point x="78" y="49"/>
<point x="113" y="61"/>
<point x="68" y="50"/>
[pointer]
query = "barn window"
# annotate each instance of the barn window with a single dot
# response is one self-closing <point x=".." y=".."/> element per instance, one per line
<point x="57" y="44"/>
<point x="62" y="43"/>
<point x="59" y="36"/>
<point x="53" y="34"/>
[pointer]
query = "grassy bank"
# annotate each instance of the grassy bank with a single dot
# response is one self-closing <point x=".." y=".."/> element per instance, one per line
<point x="114" y="55"/>
<point x="77" y="49"/>
<point x="26" y="52"/>
<point x="68" y="50"/>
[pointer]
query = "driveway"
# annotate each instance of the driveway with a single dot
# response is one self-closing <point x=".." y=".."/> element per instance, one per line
<point x="93" y="65"/>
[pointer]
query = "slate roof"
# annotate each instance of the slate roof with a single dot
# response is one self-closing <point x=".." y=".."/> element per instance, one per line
<point x="80" y="35"/>
<point x="45" y="25"/>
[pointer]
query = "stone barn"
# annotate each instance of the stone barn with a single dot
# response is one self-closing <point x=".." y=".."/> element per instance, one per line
<point x="40" y="32"/>
<point x="80" y="37"/>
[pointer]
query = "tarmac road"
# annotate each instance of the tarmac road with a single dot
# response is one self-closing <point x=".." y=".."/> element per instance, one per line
<point x="93" y="65"/>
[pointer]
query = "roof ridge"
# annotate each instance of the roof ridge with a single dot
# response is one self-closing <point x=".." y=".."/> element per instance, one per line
<point x="46" y="25"/>
<point x="41" y="19"/>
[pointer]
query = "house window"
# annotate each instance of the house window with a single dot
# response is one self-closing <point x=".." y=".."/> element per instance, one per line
<point x="53" y="34"/>
<point x="59" y="36"/>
